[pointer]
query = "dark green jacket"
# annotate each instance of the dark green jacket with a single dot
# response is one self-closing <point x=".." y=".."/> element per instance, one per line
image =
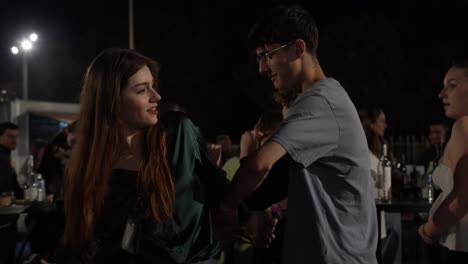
<point x="199" y="186"/>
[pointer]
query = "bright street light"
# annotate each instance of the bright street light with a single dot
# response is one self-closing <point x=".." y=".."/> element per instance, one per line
<point x="33" y="37"/>
<point x="26" y="44"/>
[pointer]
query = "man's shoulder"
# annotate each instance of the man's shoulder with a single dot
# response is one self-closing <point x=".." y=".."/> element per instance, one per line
<point x="4" y="153"/>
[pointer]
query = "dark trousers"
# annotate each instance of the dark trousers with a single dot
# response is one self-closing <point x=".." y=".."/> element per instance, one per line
<point x="441" y="255"/>
<point x="8" y="236"/>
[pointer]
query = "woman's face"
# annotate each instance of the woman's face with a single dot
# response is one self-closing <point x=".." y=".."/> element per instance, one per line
<point x="380" y="124"/>
<point x="454" y="94"/>
<point x="140" y="101"/>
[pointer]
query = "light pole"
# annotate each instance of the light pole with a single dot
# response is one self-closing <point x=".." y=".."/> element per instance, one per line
<point x="26" y="45"/>
<point x="131" y="38"/>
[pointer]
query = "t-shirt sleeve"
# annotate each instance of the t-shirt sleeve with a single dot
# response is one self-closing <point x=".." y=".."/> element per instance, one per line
<point x="310" y="130"/>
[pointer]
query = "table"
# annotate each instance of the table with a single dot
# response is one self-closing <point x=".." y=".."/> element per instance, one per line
<point x="398" y="206"/>
<point x="9" y="215"/>
<point x="14" y="209"/>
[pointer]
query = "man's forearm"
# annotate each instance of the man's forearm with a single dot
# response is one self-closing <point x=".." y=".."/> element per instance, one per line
<point x="247" y="179"/>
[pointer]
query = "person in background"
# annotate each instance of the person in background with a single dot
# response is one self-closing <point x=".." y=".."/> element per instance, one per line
<point x="54" y="161"/>
<point x="9" y="134"/>
<point x="38" y="148"/>
<point x="232" y="164"/>
<point x="330" y="202"/>
<point x="374" y="123"/>
<point x="448" y="218"/>
<point x="47" y="227"/>
<point x="438" y="135"/>
<point x="225" y="142"/>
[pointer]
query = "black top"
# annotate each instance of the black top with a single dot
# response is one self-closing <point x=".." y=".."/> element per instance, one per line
<point x="8" y="182"/>
<point x="119" y="202"/>
<point x="52" y="166"/>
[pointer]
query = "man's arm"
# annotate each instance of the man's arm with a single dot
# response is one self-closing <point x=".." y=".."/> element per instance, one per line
<point x="253" y="170"/>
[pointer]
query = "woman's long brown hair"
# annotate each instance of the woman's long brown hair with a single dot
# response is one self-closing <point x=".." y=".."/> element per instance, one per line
<point x="99" y="144"/>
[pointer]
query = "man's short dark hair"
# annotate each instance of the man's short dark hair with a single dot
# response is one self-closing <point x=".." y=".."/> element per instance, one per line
<point x="72" y="127"/>
<point x="7" y="125"/>
<point x="284" y="24"/>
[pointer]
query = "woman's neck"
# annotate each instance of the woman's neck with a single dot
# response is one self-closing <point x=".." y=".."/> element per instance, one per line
<point x="132" y="152"/>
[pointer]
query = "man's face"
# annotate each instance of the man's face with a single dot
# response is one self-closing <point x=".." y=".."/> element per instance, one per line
<point x="436" y="134"/>
<point x="281" y="65"/>
<point x="71" y="139"/>
<point x="9" y="139"/>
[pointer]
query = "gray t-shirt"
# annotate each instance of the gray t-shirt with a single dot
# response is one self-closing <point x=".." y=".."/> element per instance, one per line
<point x="331" y="210"/>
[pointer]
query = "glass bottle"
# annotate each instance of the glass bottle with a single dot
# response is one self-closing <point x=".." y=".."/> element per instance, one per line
<point x="385" y="175"/>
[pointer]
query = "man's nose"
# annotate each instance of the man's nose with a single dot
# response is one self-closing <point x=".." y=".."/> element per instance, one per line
<point x="263" y="67"/>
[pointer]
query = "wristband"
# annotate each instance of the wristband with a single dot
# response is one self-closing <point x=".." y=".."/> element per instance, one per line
<point x="276" y="211"/>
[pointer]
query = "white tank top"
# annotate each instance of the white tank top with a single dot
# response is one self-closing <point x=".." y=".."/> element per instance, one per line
<point x="456" y="237"/>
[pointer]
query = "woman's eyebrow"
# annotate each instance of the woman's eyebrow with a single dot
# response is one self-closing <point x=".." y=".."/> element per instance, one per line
<point x="142" y="83"/>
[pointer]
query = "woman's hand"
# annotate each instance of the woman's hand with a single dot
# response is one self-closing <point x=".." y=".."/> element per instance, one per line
<point x="425" y="237"/>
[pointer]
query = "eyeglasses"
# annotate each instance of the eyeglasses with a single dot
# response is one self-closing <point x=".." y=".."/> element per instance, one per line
<point x="267" y="55"/>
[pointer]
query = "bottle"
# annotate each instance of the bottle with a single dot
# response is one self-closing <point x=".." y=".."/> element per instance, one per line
<point x="430" y="171"/>
<point x="32" y="192"/>
<point x="430" y="188"/>
<point x="426" y="182"/>
<point x="401" y="166"/>
<point x="385" y="175"/>
<point x="403" y="177"/>
<point x="41" y="190"/>
<point x="28" y="188"/>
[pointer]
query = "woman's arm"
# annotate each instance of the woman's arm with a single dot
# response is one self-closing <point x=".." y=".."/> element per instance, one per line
<point x="455" y="205"/>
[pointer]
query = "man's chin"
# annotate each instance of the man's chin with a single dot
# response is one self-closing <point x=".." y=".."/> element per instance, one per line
<point x="276" y="87"/>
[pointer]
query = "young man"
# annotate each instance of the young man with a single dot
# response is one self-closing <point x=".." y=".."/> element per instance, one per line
<point x="8" y="140"/>
<point x="9" y="134"/>
<point x="438" y="132"/>
<point x="331" y="211"/>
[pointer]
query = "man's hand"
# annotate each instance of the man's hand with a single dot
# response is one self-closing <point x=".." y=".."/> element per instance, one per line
<point x="226" y="225"/>
<point x="215" y="153"/>
<point x="260" y="228"/>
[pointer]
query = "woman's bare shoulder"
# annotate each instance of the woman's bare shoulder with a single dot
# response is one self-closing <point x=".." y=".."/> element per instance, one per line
<point x="460" y="131"/>
<point x="458" y="143"/>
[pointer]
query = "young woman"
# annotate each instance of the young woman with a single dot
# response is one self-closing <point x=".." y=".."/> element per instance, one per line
<point x="118" y="167"/>
<point x="448" y="221"/>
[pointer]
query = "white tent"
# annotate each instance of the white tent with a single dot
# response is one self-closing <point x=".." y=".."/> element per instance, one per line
<point x="19" y="114"/>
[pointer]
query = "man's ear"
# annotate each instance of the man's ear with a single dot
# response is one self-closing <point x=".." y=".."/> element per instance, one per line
<point x="301" y="47"/>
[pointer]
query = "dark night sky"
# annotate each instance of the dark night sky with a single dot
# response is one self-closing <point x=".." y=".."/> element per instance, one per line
<point x="393" y="55"/>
